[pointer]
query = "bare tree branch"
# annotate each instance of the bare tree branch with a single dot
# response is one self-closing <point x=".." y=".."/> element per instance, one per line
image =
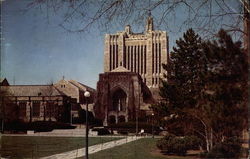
<point x="80" y="15"/>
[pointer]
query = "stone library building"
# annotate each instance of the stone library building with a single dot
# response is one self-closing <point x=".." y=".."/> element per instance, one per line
<point x="132" y="72"/>
<point x="142" y="53"/>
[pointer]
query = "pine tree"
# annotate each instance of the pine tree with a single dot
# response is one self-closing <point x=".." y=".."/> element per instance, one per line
<point x="207" y="82"/>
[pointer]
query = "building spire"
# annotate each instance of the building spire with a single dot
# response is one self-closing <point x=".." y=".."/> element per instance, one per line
<point x="149" y="23"/>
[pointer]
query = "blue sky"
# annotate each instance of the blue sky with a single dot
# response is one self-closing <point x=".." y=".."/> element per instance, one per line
<point x="37" y="51"/>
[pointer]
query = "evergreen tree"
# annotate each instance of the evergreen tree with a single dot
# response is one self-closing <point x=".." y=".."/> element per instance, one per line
<point x="206" y="81"/>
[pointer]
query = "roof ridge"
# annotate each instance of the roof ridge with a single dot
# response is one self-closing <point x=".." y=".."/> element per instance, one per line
<point x="73" y="82"/>
<point x="60" y="92"/>
<point x="86" y="86"/>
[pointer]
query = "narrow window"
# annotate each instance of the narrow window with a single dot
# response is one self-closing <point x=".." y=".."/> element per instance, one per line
<point x="159" y="57"/>
<point x="113" y="52"/>
<point x="110" y="57"/>
<point x="156" y="58"/>
<point x="135" y="58"/>
<point x="128" y="57"/>
<point x="116" y="52"/>
<point x="132" y="58"/>
<point x="153" y="58"/>
<point x="145" y="58"/>
<point x="138" y="59"/>
<point x="36" y="108"/>
<point x="141" y="59"/>
<point x="22" y="108"/>
<point x="124" y="57"/>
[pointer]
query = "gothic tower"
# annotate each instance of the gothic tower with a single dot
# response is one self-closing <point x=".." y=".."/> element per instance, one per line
<point x="141" y="53"/>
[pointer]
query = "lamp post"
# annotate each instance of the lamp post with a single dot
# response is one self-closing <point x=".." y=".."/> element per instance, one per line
<point x="153" y="125"/>
<point x="87" y="95"/>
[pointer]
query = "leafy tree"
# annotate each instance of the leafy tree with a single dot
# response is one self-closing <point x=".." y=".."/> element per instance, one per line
<point x="206" y="82"/>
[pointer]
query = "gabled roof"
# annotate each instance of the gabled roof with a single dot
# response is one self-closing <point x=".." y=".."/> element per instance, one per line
<point x="4" y="82"/>
<point x="120" y="69"/>
<point x="81" y="86"/>
<point x="33" y="90"/>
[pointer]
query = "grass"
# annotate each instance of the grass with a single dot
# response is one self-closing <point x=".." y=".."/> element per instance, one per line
<point x="37" y="146"/>
<point x="141" y="149"/>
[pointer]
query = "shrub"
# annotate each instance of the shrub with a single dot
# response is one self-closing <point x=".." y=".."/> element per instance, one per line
<point x="162" y="143"/>
<point x="193" y="142"/>
<point x="123" y="132"/>
<point x="178" y="145"/>
<point x="101" y="131"/>
<point x="16" y="126"/>
<point x="130" y="127"/>
<point x="44" y="126"/>
<point x="37" y="126"/>
<point x="231" y="148"/>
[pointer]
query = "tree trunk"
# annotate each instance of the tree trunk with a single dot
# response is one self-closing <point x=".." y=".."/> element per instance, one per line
<point x="210" y="138"/>
<point x="207" y="139"/>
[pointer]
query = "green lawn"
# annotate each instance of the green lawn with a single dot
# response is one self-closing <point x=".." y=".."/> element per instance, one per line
<point x="37" y="146"/>
<point x="141" y="149"/>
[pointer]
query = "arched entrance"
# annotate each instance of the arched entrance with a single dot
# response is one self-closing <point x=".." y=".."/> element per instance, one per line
<point x="112" y="119"/>
<point x="119" y="100"/>
<point x="121" y="119"/>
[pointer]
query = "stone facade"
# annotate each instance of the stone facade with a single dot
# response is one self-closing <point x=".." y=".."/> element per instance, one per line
<point x="122" y="96"/>
<point x="58" y="102"/>
<point x="76" y="90"/>
<point x="142" y="53"/>
<point x="37" y="103"/>
<point x="132" y="71"/>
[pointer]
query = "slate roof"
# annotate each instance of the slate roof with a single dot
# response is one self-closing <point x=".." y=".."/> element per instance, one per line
<point x="81" y="86"/>
<point x="33" y="90"/>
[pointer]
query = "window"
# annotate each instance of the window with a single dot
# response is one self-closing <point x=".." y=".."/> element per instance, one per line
<point x="145" y="58"/>
<point x="113" y="53"/>
<point x="156" y="58"/>
<point x="153" y="58"/>
<point x="141" y="59"/>
<point x="22" y="108"/>
<point x="128" y="57"/>
<point x="116" y="55"/>
<point x="119" y="100"/>
<point x="131" y="61"/>
<point x="159" y="57"/>
<point x="124" y="57"/>
<point x="36" y="108"/>
<point x="110" y="57"/>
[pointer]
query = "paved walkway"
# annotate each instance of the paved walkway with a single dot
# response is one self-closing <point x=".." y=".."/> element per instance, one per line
<point x="92" y="149"/>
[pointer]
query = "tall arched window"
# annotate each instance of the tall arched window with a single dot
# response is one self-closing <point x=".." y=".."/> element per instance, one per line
<point x="112" y="119"/>
<point x="119" y="100"/>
